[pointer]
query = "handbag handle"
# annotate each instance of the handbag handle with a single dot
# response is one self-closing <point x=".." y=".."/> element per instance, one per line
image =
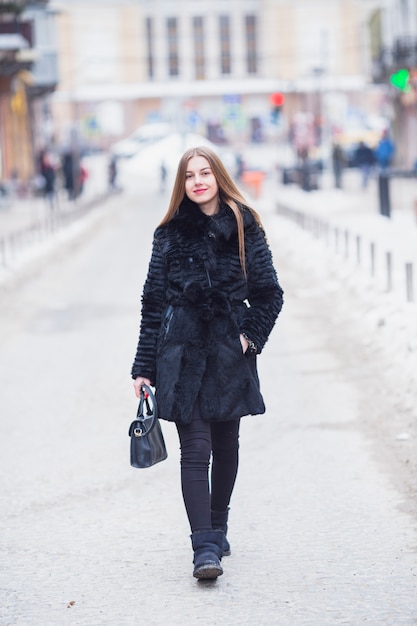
<point x="146" y="393"/>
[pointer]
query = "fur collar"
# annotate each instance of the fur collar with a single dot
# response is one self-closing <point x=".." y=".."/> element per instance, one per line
<point x="191" y="222"/>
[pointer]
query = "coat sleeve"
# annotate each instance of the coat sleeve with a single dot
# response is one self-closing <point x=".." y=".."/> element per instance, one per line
<point x="265" y="295"/>
<point x="153" y="306"/>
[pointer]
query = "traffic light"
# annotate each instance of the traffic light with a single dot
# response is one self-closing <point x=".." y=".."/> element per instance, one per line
<point x="277" y="100"/>
<point x="401" y="80"/>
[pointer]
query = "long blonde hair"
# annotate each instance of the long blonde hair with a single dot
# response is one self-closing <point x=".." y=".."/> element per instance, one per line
<point x="228" y="193"/>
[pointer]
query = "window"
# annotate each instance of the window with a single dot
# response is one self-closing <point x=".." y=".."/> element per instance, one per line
<point x="225" y="60"/>
<point x="149" y="45"/>
<point x="251" y="55"/>
<point x="172" y="32"/>
<point x="97" y="47"/>
<point x="199" y="58"/>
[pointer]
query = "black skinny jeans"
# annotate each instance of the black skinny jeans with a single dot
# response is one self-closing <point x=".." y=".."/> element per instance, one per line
<point x="199" y="440"/>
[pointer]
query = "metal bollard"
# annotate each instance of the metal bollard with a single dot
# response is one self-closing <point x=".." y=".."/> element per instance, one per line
<point x="388" y="259"/>
<point x="3" y="252"/>
<point x="358" y="249"/>
<point x="384" y="196"/>
<point x="372" y="250"/>
<point x="409" y="282"/>
<point x="326" y="232"/>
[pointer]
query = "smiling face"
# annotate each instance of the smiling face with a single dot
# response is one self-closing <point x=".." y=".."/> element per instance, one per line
<point x="201" y="185"/>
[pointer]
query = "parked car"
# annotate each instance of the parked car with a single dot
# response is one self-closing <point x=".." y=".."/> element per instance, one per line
<point x="144" y="136"/>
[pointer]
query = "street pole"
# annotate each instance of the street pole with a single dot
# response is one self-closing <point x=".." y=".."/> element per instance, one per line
<point x="384" y="194"/>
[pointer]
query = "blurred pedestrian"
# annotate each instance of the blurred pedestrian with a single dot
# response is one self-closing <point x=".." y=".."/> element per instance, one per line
<point x="199" y="338"/>
<point x="385" y="150"/>
<point x="364" y="159"/>
<point x="338" y="162"/>
<point x="68" y="167"/>
<point x="163" y="177"/>
<point x="306" y="171"/>
<point x="113" y="172"/>
<point x="48" y="172"/>
<point x="240" y="166"/>
<point x="82" y="177"/>
<point x="3" y="194"/>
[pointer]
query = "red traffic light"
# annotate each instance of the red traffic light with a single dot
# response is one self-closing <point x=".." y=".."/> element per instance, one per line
<point x="277" y="99"/>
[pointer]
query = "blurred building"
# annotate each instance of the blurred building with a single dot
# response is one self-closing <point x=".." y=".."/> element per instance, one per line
<point x="28" y="73"/>
<point x="393" y="28"/>
<point x="211" y="66"/>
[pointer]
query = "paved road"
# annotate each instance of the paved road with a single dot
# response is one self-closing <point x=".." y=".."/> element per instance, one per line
<point x="319" y="532"/>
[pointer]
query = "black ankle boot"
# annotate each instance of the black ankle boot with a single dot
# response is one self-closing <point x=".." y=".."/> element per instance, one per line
<point x="219" y="521"/>
<point x="207" y="546"/>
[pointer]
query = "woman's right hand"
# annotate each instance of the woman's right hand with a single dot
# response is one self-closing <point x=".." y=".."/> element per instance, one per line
<point x="138" y="384"/>
<point x="244" y="342"/>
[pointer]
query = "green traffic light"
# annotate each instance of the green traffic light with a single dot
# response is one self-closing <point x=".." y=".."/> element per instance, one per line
<point x="400" y="80"/>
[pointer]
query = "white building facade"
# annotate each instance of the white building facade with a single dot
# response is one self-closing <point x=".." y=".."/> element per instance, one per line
<point x="394" y="50"/>
<point x="211" y="65"/>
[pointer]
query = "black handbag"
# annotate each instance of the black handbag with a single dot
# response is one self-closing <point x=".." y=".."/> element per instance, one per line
<point x="147" y="445"/>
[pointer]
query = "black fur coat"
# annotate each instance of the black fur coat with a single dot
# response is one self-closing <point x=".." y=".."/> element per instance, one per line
<point x="196" y="301"/>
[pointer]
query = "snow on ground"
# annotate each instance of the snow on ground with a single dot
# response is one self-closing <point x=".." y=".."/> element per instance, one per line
<point x="374" y="304"/>
<point x="383" y="321"/>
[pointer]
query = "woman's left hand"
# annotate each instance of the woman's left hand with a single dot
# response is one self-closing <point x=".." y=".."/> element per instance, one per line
<point x="138" y="383"/>
<point x="244" y="343"/>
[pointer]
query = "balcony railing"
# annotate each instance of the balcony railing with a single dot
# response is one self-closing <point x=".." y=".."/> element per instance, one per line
<point x="18" y="28"/>
<point x="45" y="73"/>
<point x="402" y="54"/>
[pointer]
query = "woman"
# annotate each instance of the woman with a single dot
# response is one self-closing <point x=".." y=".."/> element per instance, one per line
<point x="209" y="303"/>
